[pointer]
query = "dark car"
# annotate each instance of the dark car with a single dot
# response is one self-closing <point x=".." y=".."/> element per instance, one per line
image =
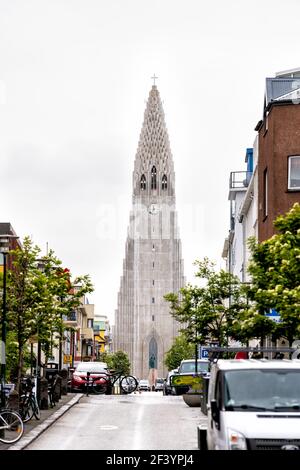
<point x="97" y="370"/>
<point x="188" y="368"/>
<point x="167" y="387"/>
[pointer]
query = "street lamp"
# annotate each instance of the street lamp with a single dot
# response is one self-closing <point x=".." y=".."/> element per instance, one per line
<point x="4" y="249"/>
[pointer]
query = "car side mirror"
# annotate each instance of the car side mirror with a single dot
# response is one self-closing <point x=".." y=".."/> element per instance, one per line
<point x="215" y="413"/>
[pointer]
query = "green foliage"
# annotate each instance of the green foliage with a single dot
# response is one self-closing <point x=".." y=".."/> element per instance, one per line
<point x="275" y="271"/>
<point x="212" y="311"/>
<point x="181" y="349"/>
<point x="118" y="361"/>
<point x="12" y="357"/>
<point x="39" y="294"/>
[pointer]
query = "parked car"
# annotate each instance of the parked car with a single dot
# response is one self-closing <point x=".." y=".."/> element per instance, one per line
<point x="144" y="385"/>
<point x="159" y="385"/>
<point x="167" y="387"/>
<point x="96" y="369"/>
<point x="188" y="368"/>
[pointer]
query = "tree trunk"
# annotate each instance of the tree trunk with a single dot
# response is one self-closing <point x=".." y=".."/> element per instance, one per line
<point x="20" y="366"/>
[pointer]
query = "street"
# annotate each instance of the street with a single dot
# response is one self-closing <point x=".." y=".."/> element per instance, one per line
<point x="141" y="421"/>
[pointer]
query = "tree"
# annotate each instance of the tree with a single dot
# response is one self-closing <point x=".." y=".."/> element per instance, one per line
<point x="275" y="271"/>
<point x="181" y="349"/>
<point x="38" y="298"/>
<point x="118" y="361"/>
<point x="213" y="311"/>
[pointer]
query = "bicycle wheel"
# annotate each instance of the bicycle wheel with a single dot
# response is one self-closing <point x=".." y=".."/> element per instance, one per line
<point x="26" y="410"/>
<point x="128" y="384"/>
<point x="36" y="408"/>
<point x="100" y="388"/>
<point x="11" y="427"/>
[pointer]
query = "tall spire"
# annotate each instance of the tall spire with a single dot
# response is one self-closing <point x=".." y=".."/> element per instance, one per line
<point x="154" y="146"/>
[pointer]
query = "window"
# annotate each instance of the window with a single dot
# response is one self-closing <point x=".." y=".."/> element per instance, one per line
<point x="164" y="182"/>
<point x="152" y="317"/>
<point x="153" y="178"/>
<point x="153" y="264"/>
<point x="265" y="193"/>
<point x="143" y="183"/>
<point x="294" y="173"/>
<point x="153" y="300"/>
<point x="153" y="282"/>
<point x="90" y="323"/>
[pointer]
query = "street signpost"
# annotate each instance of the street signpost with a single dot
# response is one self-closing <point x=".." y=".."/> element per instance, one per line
<point x="273" y="315"/>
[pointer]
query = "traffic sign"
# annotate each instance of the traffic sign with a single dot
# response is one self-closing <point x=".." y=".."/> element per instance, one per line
<point x="273" y="315"/>
<point x="203" y="353"/>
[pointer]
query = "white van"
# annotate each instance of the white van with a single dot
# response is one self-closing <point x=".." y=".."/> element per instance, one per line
<point x="253" y="404"/>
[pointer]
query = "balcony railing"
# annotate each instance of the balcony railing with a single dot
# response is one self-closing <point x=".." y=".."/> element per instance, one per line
<point x="239" y="179"/>
<point x="71" y="317"/>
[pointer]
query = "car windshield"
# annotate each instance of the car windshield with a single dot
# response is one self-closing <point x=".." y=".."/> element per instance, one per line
<point x="160" y="381"/>
<point x="190" y="367"/>
<point x="275" y="390"/>
<point x="145" y="382"/>
<point x="94" y="367"/>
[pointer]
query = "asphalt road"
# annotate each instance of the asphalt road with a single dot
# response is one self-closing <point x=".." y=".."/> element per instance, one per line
<point x="141" y="421"/>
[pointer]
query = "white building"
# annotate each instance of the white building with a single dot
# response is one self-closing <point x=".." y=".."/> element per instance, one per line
<point x="243" y="216"/>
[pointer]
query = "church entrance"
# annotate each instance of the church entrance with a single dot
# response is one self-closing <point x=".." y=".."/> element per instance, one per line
<point x="152" y="362"/>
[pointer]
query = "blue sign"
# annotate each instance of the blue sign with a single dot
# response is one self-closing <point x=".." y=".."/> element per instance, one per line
<point x="273" y="315"/>
<point x="203" y="353"/>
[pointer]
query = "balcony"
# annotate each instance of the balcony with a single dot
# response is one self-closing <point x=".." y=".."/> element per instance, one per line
<point x="70" y="319"/>
<point x="88" y="333"/>
<point x="238" y="182"/>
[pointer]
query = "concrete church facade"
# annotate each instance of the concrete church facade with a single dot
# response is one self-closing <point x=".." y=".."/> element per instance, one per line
<point x="153" y="265"/>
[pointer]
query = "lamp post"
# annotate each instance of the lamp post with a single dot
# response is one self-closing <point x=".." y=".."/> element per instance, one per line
<point x="4" y="249"/>
<point x="60" y="341"/>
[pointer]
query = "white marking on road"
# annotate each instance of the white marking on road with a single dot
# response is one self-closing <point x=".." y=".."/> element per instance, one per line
<point x="108" y="427"/>
<point x="138" y="431"/>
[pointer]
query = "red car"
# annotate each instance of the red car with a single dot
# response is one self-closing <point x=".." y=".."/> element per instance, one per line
<point x="96" y="369"/>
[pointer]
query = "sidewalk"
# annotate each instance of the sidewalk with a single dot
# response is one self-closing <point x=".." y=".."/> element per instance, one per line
<point x="33" y="428"/>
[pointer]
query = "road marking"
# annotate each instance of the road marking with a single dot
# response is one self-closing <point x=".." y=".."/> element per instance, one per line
<point x="108" y="427"/>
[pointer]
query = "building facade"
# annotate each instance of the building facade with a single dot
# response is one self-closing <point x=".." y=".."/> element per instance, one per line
<point x="271" y="185"/>
<point x="279" y="150"/>
<point x="153" y="266"/>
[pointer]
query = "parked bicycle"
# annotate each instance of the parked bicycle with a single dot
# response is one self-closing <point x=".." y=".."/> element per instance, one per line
<point x="105" y="383"/>
<point x="28" y="403"/>
<point x="11" y="425"/>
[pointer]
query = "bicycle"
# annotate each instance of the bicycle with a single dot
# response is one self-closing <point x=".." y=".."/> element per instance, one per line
<point x="11" y="425"/>
<point x="28" y="403"/>
<point x="105" y="383"/>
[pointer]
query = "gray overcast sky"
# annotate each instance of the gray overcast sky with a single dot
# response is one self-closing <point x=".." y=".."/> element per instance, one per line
<point x="74" y="77"/>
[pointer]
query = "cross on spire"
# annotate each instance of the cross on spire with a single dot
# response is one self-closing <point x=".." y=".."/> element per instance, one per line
<point x="154" y="78"/>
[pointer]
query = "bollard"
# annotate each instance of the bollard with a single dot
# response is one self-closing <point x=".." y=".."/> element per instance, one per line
<point x="43" y="394"/>
<point x="57" y="388"/>
<point x="64" y="381"/>
<point x="13" y="401"/>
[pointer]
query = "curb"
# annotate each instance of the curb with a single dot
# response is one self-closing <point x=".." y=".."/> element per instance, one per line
<point x="34" y="433"/>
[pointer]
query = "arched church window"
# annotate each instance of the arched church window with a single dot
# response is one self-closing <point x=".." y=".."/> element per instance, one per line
<point x="164" y="182"/>
<point x="143" y="183"/>
<point x="153" y="178"/>
<point x="152" y="353"/>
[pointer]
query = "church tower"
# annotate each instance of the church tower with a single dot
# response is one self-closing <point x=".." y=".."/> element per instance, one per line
<point x="153" y="265"/>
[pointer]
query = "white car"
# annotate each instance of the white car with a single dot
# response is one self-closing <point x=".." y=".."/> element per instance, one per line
<point x="144" y="385"/>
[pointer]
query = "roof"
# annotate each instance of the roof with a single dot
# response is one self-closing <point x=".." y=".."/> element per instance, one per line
<point x="234" y="364"/>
